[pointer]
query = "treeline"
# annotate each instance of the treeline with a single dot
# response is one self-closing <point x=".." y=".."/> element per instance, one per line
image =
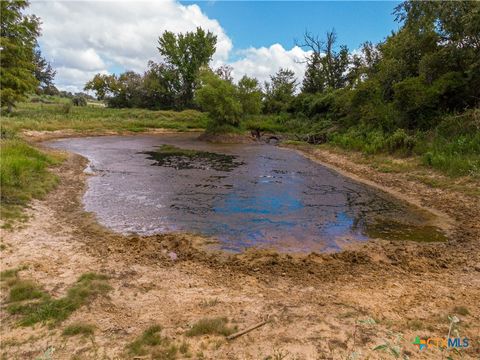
<point x="428" y="68"/>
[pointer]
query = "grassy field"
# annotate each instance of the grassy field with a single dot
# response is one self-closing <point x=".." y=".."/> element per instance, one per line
<point x="24" y="176"/>
<point x="56" y="114"/>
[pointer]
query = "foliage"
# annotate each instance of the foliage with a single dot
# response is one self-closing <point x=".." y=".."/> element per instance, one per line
<point x="46" y="309"/>
<point x="279" y="92"/>
<point x="214" y="326"/>
<point x="326" y="68"/>
<point x="159" y="347"/>
<point x="79" y="328"/>
<point x="187" y="54"/>
<point x="18" y="36"/>
<point x="23" y="176"/>
<point x="79" y="101"/>
<point x="250" y="95"/>
<point x="219" y="98"/>
<point x="44" y="73"/>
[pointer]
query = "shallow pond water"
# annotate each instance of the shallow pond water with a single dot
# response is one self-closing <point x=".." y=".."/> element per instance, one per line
<point x="242" y="195"/>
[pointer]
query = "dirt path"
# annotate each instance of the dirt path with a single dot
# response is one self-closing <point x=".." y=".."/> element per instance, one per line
<point x="338" y="306"/>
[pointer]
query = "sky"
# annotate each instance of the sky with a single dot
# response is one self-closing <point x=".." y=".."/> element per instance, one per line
<point x="256" y="38"/>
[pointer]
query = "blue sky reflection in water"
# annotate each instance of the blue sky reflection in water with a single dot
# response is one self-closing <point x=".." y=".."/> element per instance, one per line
<point x="276" y="198"/>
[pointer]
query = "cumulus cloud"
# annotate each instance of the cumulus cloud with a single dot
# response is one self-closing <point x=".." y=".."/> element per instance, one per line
<point x="263" y="62"/>
<point x="82" y="38"/>
<point x="97" y="36"/>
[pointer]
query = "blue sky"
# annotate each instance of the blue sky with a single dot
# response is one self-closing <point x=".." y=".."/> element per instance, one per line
<point x="262" y="23"/>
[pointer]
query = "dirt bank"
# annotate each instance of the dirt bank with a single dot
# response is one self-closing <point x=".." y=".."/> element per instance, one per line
<point x="319" y="306"/>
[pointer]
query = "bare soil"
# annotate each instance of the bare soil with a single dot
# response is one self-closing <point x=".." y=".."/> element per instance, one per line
<point x="319" y="306"/>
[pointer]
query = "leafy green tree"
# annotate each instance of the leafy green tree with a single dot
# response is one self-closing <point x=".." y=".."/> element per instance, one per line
<point x="160" y="87"/>
<point x="279" y="92"/>
<point x="44" y="73"/>
<point x="250" y="95"/>
<point x="219" y="98"/>
<point x="18" y="38"/>
<point x="104" y="86"/>
<point x="187" y="54"/>
<point x="326" y="68"/>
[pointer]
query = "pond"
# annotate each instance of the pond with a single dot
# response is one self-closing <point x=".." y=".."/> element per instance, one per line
<point x="243" y="195"/>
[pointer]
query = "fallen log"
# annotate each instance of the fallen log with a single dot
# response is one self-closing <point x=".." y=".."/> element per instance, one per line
<point x="247" y="330"/>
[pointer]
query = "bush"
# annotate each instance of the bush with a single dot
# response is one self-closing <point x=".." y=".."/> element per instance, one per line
<point x="79" y="101"/>
<point x="400" y="141"/>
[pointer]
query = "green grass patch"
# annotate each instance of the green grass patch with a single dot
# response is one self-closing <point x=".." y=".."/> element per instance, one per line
<point x="52" y="116"/>
<point x="24" y="175"/>
<point x="152" y="342"/>
<point x="10" y="273"/>
<point x="48" y="309"/>
<point x="24" y="290"/>
<point x="211" y="326"/>
<point x="79" y="328"/>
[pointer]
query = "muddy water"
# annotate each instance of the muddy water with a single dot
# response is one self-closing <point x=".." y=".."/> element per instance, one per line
<point x="265" y="196"/>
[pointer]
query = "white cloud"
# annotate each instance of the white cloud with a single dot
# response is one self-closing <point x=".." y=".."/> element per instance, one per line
<point x="82" y="38"/>
<point x="97" y="36"/>
<point x="263" y="62"/>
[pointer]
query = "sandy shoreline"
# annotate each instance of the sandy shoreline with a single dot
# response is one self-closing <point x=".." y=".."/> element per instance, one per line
<point x="320" y="305"/>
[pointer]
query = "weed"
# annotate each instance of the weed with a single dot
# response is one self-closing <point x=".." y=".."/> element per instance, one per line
<point x="24" y="176"/>
<point x="151" y="342"/>
<point x="213" y="326"/>
<point x="461" y="310"/>
<point x="24" y="290"/>
<point x="415" y="325"/>
<point x="79" y="328"/>
<point x="209" y="303"/>
<point x="10" y="273"/>
<point x="48" y="309"/>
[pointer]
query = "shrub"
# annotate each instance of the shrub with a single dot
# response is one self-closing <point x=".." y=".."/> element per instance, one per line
<point x="400" y="141"/>
<point x="214" y="326"/>
<point x="79" y="101"/>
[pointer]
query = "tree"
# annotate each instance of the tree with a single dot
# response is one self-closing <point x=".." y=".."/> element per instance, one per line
<point x="104" y="86"/>
<point x="250" y="95"/>
<point x="326" y="68"/>
<point x="44" y="73"/>
<point x="18" y="36"/>
<point x="225" y="72"/>
<point x="279" y="92"/>
<point x="160" y="87"/>
<point x="187" y="54"/>
<point x="219" y="98"/>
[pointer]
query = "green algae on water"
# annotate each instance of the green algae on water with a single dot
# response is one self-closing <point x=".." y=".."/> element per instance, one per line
<point x="178" y="158"/>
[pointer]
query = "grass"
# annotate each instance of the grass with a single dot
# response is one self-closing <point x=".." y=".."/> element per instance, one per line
<point x="24" y="290"/>
<point x="211" y="326"/>
<point x="461" y="310"/>
<point x="79" y="328"/>
<point x="10" y="273"/>
<point x="152" y="342"/>
<point x="24" y="176"/>
<point x="48" y="309"/>
<point x="53" y="116"/>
